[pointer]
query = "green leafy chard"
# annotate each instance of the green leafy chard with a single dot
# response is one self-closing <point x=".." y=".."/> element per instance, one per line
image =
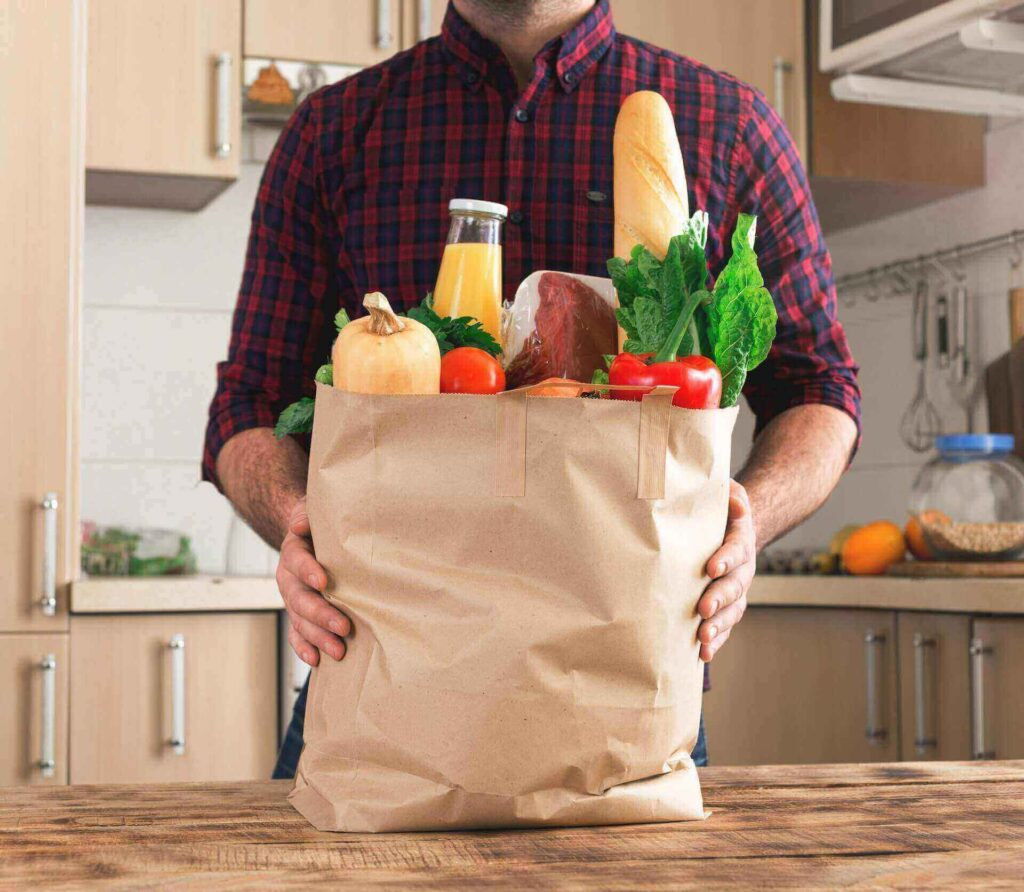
<point x="463" y="331"/>
<point x="296" y="418"/>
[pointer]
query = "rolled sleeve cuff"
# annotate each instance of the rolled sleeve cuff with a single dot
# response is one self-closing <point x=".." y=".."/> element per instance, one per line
<point x="839" y="392"/>
<point x="237" y="416"/>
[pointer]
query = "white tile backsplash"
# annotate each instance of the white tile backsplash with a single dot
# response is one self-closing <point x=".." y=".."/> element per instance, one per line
<point x="147" y="379"/>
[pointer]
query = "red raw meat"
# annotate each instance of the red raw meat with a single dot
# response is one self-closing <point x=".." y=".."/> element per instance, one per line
<point x="574" y="329"/>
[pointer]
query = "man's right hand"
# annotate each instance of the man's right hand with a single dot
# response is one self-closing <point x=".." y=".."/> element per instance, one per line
<point x="316" y="626"/>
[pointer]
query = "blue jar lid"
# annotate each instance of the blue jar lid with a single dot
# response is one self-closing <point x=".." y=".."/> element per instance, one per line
<point x="979" y="443"/>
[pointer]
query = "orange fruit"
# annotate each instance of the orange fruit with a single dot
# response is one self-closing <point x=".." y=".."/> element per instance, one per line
<point x="914" y="533"/>
<point x="872" y="549"/>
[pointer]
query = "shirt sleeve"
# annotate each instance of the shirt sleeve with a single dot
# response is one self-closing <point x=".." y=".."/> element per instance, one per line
<point x="810" y="360"/>
<point x="287" y="294"/>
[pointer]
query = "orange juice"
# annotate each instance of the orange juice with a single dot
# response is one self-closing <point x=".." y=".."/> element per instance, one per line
<point x="469" y="284"/>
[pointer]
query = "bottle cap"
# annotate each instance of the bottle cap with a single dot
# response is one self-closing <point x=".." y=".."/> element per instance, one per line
<point x="475" y="206"/>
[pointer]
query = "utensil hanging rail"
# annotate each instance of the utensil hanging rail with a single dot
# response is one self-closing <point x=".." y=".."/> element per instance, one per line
<point x="900" y="268"/>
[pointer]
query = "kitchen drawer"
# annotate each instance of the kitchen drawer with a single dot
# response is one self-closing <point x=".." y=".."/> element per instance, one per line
<point x="802" y="685"/>
<point x="33" y="709"/>
<point x="140" y="681"/>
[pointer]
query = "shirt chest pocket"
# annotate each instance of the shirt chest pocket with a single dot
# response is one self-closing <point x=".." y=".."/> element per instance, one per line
<point x="394" y="236"/>
<point x="594" y="220"/>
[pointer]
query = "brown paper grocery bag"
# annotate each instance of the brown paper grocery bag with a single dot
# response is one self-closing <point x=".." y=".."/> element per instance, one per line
<point x="522" y="574"/>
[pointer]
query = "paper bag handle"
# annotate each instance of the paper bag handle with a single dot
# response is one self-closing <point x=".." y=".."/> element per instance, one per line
<point x="655" y="419"/>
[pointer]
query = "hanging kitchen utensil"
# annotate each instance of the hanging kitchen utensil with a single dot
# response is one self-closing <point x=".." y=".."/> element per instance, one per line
<point x="961" y="330"/>
<point x="1016" y="294"/>
<point x="921" y="422"/>
<point x="942" y="329"/>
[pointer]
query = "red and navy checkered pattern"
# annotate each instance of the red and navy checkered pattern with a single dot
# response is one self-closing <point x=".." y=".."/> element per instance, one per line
<point x="355" y="195"/>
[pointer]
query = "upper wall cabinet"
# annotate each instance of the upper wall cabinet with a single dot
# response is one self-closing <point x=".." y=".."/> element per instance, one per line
<point x="163" y="113"/>
<point x="364" y="32"/>
<point x="864" y="161"/>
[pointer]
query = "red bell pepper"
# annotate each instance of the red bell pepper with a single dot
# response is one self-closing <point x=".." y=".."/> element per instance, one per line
<point x="699" y="380"/>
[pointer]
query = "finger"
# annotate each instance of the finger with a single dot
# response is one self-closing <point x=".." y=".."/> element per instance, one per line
<point x="303" y="602"/>
<point x="323" y="640"/>
<point x="297" y="559"/>
<point x="722" y="621"/>
<point x="298" y="523"/>
<point x="303" y="649"/>
<point x="738" y="546"/>
<point x="708" y="651"/>
<point x="724" y="591"/>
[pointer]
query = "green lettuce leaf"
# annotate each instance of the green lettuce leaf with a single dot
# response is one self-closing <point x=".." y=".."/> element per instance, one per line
<point x="296" y="418"/>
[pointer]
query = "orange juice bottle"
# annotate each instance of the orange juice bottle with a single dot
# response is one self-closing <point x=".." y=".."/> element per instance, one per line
<point x="469" y="281"/>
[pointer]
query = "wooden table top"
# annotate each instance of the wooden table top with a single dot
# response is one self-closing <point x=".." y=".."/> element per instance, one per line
<point x="902" y="825"/>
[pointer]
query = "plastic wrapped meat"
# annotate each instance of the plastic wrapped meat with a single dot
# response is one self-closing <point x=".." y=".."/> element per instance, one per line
<point x="560" y="325"/>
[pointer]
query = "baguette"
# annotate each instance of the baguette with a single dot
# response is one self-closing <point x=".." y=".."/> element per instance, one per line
<point x="651" y="204"/>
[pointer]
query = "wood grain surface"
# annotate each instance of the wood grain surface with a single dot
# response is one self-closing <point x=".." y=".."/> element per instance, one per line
<point x="942" y="569"/>
<point x="890" y="826"/>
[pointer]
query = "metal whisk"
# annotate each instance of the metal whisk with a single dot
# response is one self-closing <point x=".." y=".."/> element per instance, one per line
<point x="921" y="423"/>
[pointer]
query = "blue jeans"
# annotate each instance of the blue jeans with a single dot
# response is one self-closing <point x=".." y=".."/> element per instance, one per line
<point x="291" y="746"/>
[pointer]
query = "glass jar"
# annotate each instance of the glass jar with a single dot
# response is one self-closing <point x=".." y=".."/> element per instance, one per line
<point x="469" y="281"/>
<point x="969" y="499"/>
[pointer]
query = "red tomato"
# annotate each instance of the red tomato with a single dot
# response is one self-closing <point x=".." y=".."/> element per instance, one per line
<point x="471" y="370"/>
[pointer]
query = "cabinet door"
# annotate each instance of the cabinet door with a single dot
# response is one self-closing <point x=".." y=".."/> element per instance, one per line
<point x="935" y="697"/>
<point x="157" y="95"/>
<point x="40" y="227"/>
<point x="33" y="709"/>
<point x="356" y="32"/>
<point x="421" y="19"/>
<point x="796" y="685"/>
<point x="997" y="668"/>
<point x="759" y="41"/>
<point x="146" y="710"/>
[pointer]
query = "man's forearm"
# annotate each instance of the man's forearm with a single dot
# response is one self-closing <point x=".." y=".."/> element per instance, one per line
<point x="794" y="465"/>
<point x="263" y="478"/>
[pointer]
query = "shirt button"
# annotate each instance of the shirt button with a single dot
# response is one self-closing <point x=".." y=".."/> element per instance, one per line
<point x="516" y="217"/>
<point x="522" y="115"/>
<point x="568" y="77"/>
<point x="472" y="77"/>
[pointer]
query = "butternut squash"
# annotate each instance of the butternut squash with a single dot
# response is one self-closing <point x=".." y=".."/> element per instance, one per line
<point x="386" y="353"/>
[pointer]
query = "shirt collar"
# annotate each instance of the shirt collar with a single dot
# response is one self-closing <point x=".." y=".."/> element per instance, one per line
<point x="580" y="48"/>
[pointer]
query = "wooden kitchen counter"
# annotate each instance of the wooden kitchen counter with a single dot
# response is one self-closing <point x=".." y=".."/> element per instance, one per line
<point x="907" y="825"/>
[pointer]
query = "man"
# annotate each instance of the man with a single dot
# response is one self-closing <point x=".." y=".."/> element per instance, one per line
<point x="516" y="102"/>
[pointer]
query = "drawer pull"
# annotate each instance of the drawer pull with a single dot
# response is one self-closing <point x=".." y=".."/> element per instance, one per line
<point x="873" y="644"/>
<point x="47" y="759"/>
<point x="222" y="139"/>
<point x="177" y="741"/>
<point x="780" y="68"/>
<point x="48" y="601"/>
<point x="424" y="23"/>
<point x="922" y="739"/>
<point x="979" y="650"/>
<point x="384" y="35"/>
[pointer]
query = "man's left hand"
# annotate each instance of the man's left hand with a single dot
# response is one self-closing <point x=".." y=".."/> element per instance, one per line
<point x="731" y="569"/>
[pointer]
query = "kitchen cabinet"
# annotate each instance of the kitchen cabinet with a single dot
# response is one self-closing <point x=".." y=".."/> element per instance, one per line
<point x="358" y="32"/>
<point x="33" y="709"/>
<point x="40" y="241"/>
<point x="798" y="685"/>
<point x="997" y="699"/>
<point x="935" y="694"/>
<point x="864" y="161"/>
<point x="164" y="101"/>
<point x="173" y="697"/>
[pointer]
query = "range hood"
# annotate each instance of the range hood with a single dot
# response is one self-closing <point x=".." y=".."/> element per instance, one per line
<point x="957" y="56"/>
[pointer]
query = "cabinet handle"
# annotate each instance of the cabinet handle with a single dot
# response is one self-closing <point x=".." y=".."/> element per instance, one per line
<point x="978" y="653"/>
<point x="780" y="68"/>
<point x="922" y="740"/>
<point x="47" y="760"/>
<point x="48" y="601"/>
<point x="222" y="140"/>
<point x="384" y="35"/>
<point x="177" y="741"/>
<point x="424" y="22"/>
<point x="873" y="644"/>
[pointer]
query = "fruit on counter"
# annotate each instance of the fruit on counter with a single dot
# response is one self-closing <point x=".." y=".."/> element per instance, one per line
<point x="386" y="353"/>
<point x="913" y="532"/>
<point x="873" y="548"/>
<point x="697" y="377"/>
<point x="471" y="370"/>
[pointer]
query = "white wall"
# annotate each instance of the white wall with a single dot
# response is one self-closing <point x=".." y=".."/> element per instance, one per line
<point x="878" y="485"/>
<point x="160" y="286"/>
